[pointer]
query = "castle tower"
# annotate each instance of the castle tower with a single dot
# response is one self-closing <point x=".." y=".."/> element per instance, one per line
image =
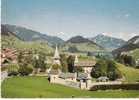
<point x="56" y="57"/>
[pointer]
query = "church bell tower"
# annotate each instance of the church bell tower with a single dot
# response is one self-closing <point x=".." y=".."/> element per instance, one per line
<point x="56" y="58"/>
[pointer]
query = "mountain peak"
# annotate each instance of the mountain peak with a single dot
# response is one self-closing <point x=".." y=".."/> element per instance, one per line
<point x="78" y="39"/>
<point x="131" y="44"/>
<point x="108" y="41"/>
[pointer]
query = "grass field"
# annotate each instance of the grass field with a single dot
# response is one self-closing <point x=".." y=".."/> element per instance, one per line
<point x="35" y="87"/>
<point x="135" y="53"/>
<point x="130" y="74"/>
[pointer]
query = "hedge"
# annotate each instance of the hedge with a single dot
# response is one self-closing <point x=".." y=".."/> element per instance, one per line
<point x="130" y="86"/>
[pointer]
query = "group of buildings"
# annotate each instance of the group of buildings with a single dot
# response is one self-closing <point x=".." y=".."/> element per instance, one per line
<point x="82" y="79"/>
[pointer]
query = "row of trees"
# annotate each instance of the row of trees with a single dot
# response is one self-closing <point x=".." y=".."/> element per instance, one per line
<point x="106" y="68"/>
<point x="126" y="59"/>
<point x="27" y="61"/>
<point x="15" y="69"/>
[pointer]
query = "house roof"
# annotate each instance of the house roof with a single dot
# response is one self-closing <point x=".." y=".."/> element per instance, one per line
<point x="67" y="75"/>
<point x="85" y="63"/>
<point x="82" y="76"/>
<point x="103" y="78"/>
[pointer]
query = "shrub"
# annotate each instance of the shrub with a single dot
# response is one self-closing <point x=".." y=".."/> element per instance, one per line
<point x="13" y="69"/>
<point x="64" y="65"/>
<point x="106" y="68"/>
<point x="56" y="66"/>
<point x="72" y="49"/>
<point x="26" y="70"/>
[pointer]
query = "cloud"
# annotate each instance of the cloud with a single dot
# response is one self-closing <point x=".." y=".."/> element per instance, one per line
<point x="127" y="15"/>
<point x="122" y="35"/>
<point x="60" y="33"/>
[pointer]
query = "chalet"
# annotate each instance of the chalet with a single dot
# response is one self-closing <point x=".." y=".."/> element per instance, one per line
<point x="86" y="65"/>
<point x="7" y="55"/>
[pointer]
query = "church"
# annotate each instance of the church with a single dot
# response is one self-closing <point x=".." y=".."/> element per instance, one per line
<point x="82" y="79"/>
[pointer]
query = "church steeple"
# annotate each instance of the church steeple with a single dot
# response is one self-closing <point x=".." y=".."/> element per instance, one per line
<point x="76" y="59"/>
<point x="56" y="56"/>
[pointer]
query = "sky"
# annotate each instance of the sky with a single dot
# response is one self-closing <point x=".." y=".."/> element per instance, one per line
<point x="67" y="18"/>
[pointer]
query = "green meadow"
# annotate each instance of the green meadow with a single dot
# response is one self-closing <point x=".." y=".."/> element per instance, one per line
<point x="39" y="87"/>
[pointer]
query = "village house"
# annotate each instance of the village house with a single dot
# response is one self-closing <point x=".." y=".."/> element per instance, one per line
<point x="8" y="55"/>
<point x="86" y="65"/>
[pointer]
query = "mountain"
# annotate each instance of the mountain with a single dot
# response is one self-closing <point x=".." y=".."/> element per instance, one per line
<point x="130" y="45"/>
<point x="30" y="35"/>
<point x="11" y="40"/>
<point x="108" y="42"/>
<point x="81" y="44"/>
<point x="6" y="32"/>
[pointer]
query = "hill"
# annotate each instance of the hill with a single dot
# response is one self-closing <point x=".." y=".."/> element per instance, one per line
<point x="134" y="53"/>
<point x="130" y="74"/>
<point x="108" y="42"/>
<point x="11" y="40"/>
<point x="130" y="45"/>
<point x="81" y="44"/>
<point x="31" y="35"/>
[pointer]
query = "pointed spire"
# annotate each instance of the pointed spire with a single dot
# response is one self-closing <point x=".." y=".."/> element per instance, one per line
<point x="76" y="59"/>
<point x="56" y="55"/>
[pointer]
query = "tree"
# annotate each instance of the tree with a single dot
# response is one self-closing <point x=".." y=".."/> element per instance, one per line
<point x="126" y="59"/>
<point x="70" y="62"/>
<point x="39" y="60"/>
<point x="13" y="69"/>
<point x="25" y="57"/>
<point x="72" y="49"/>
<point x="56" y="66"/>
<point x="64" y="65"/>
<point x="99" y="69"/>
<point x="26" y="70"/>
<point x="112" y="71"/>
<point x="106" y="68"/>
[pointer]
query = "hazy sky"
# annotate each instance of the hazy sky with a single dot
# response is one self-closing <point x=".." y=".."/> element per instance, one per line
<point x="66" y="18"/>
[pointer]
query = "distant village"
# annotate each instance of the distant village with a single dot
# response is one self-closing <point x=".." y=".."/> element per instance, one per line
<point x="82" y="80"/>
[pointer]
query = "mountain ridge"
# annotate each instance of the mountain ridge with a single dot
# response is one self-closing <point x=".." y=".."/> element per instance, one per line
<point x="131" y="44"/>
<point x="32" y="35"/>
<point x="108" y="42"/>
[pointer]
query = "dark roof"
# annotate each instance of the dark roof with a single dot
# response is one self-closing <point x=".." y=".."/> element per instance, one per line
<point x="82" y="76"/>
<point x="67" y="75"/>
